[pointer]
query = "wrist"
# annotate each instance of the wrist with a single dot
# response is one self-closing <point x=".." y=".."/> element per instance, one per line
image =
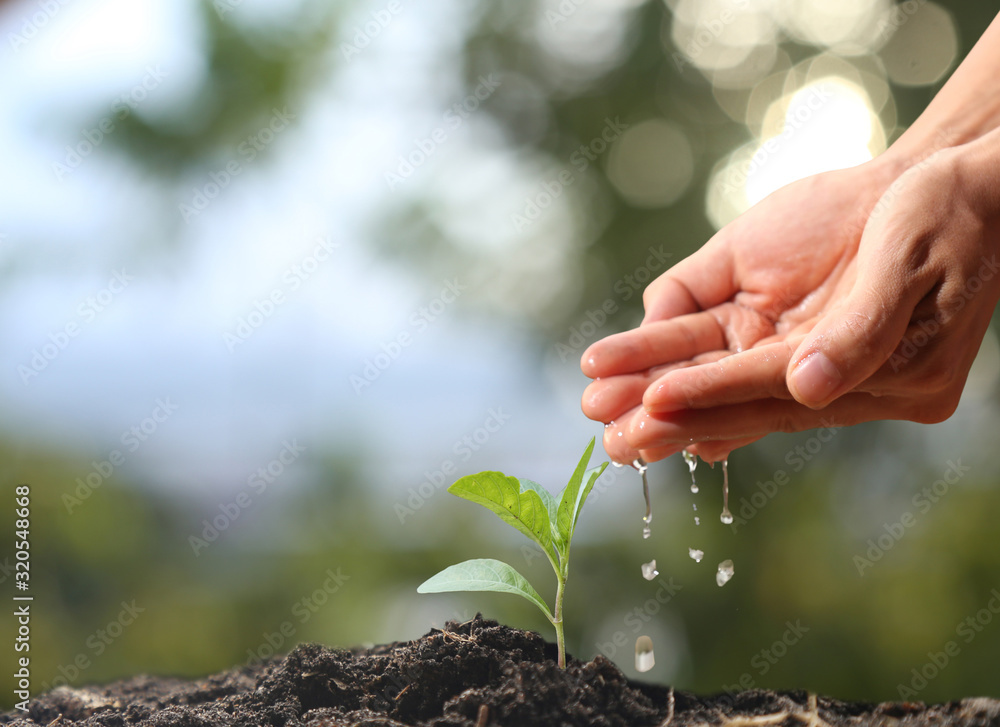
<point x="873" y="180"/>
<point x="966" y="108"/>
<point x="913" y="147"/>
<point x="978" y="166"/>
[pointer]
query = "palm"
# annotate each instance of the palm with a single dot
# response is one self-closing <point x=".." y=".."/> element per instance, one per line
<point x="785" y="260"/>
<point x="759" y="283"/>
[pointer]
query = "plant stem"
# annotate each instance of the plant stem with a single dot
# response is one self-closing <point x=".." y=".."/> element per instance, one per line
<point x="557" y="621"/>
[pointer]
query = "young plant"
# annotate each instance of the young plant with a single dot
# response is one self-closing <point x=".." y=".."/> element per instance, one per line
<point x="530" y="508"/>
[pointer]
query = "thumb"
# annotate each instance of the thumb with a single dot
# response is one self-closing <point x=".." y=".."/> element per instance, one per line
<point x="849" y="343"/>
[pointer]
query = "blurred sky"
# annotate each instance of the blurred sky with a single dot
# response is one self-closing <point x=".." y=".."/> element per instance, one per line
<point x="162" y="335"/>
<point x="321" y="176"/>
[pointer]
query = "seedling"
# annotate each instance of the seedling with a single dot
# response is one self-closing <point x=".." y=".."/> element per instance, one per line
<point x="530" y="508"/>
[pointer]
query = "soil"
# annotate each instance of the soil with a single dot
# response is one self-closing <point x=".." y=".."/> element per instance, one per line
<point x="476" y="674"/>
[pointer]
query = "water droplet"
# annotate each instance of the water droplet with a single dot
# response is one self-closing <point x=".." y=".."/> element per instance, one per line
<point x="649" y="571"/>
<point x="648" y="517"/>
<point x="696" y="555"/>
<point x="697" y="520"/>
<point x="726" y="516"/>
<point x="644" y="660"/>
<point x="692" y="463"/>
<point x="725" y="573"/>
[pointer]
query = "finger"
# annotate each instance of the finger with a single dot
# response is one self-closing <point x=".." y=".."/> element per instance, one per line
<point x="718" y="451"/>
<point x="757" y="373"/>
<point x="757" y="418"/>
<point x="933" y="355"/>
<point x="708" y="451"/>
<point x="654" y="344"/>
<point x="615" y="443"/>
<point x="667" y="297"/>
<point x="607" y="399"/>
<point x="851" y="342"/>
<point x="698" y="282"/>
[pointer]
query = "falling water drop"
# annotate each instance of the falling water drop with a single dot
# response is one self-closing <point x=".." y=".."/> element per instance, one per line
<point x="696" y="555"/>
<point x="648" y="517"/>
<point x="644" y="660"/>
<point x="692" y="463"/>
<point x="726" y="516"/>
<point x="725" y="573"/>
<point x="649" y="571"/>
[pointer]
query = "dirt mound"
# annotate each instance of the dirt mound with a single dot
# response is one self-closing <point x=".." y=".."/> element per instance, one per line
<point x="474" y="674"/>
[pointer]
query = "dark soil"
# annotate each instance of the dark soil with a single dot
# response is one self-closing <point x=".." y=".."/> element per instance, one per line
<point x="475" y="674"/>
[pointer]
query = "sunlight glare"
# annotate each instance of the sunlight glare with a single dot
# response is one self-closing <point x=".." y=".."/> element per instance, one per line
<point x="828" y="124"/>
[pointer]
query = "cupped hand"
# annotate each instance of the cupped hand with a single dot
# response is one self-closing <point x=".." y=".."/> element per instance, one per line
<point x="841" y="298"/>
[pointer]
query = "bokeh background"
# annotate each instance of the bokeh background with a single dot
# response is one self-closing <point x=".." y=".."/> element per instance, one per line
<point x="267" y="268"/>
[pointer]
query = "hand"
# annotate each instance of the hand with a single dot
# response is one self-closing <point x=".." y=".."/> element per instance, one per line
<point x="790" y="318"/>
<point x="757" y="280"/>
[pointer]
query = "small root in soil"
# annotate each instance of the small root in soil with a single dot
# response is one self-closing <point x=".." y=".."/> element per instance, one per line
<point x="483" y="717"/>
<point x="809" y="718"/>
<point x="670" y="710"/>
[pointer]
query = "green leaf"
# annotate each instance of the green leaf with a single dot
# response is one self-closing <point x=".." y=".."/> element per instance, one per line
<point x="590" y="478"/>
<point x="502" y="494"/>
<point x="575" y="494"/>
<point x="483" y="574"/>
<point x="551" y="506"/>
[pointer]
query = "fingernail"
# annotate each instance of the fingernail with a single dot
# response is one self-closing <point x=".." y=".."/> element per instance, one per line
<point x="815" y="378"/>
